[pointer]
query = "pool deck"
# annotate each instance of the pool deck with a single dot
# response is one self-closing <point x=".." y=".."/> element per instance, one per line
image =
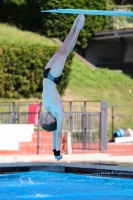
<point x="117" y="159"/>
<point x="68" y="158"/>
<point x="120" y="154"/>
<point x="93" y="163"/>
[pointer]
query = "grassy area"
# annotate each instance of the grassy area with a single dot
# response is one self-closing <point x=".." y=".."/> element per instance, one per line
<point x="85" y="83"/>
<point x="14" y="35"/>
<point x="89" y="84"/>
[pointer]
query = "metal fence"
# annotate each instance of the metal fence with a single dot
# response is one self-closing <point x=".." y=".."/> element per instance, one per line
<point x="88" y="129"/>
<point x="119" y="116"/>
<point x="69" y="106"/>
<point x="78" y="116"/>
<point x="121" y="22"/>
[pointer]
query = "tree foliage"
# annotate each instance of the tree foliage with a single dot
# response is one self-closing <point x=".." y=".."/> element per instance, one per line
<point x="58" y="25"/>
<point x="27" y="16"/>
<point x="21" y="69"/>
<point x="123" y="2"/>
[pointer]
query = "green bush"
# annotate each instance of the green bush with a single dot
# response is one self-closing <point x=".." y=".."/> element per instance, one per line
<point x="123" y="2"/>
<point x="21" y="70"/>
<point x="58" y="25"/>
<point x="26" y="14"/>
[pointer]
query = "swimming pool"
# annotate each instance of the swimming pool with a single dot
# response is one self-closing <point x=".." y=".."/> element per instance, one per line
<point x="38" y="185"/>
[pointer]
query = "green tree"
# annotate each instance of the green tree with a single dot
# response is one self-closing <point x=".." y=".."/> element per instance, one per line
<point x="58" y="25"/>
<point x="123" y="2"/>
<point x="26" y="14"/>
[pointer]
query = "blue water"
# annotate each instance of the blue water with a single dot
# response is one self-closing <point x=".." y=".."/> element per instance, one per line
<point x="61" y="186"/>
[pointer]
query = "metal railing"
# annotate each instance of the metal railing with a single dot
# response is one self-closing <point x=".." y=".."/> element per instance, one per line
<point x="69" y="106"/>
<point x="88" y="129"/>
<point x="119" y="116"/>
<point x="121" y="22"/>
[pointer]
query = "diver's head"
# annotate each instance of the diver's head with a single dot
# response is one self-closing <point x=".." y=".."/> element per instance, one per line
<point x="49" y="122"/>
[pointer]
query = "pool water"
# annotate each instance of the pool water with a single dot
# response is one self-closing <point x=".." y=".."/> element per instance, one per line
<point x="38" y="185"/>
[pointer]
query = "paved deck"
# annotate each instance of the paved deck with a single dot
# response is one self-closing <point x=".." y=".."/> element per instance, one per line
<point x="117" y="159"/>
<point x="101" y="158"/>
<point x="115" y="153"/>
<point x="93" y="164"/>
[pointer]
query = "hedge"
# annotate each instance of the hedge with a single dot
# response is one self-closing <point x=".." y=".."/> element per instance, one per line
<point x="26" y="14"/>
<point x="21" y="70"/>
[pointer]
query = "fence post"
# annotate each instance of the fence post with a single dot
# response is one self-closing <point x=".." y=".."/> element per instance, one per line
<point x="69" y="134"/>
<point x="103" y="131"/>
<point x="84" y="126"/>
<point x="38" y="131"/>
<point x="71" y="118"/>
<point x="69" y="142"/>
<point x="14" y="114"/>
<point x="84" y="106"/>
<point x="112" y="121"/>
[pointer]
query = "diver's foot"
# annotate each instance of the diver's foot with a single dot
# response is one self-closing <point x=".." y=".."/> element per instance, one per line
<point x="81" y="20"/>
<point x="75" y="22"/>
<point x="58" y="157"/>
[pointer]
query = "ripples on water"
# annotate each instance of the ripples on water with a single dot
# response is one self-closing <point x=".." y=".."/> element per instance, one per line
<point x="60" y="186"/>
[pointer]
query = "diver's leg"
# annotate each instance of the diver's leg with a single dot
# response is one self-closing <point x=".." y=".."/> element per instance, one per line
<point x="59" y="63"/>
<point x="52" y="60"/>
<point x="54" y="139"/>
<point x="65" y="49"/>
<point x="58" y="134"/>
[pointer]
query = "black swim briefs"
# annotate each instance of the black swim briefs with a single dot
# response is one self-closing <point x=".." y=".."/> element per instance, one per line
<point x="47" y="74"/>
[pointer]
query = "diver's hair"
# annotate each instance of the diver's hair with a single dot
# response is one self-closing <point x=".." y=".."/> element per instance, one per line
<point x="50" y="127"/>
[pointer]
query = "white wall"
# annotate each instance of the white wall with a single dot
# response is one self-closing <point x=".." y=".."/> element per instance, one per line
<point x="12" y="134"/>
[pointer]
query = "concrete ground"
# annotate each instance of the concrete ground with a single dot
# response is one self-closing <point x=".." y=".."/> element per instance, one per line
<point x="101" y="164"/>
<point x="117" y="159"/>
<point x="102" y="158"/>
<point x="121" y="154"/>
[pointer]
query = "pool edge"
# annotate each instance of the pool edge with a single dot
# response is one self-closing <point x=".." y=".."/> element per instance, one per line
<point x="84" y="168"/>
